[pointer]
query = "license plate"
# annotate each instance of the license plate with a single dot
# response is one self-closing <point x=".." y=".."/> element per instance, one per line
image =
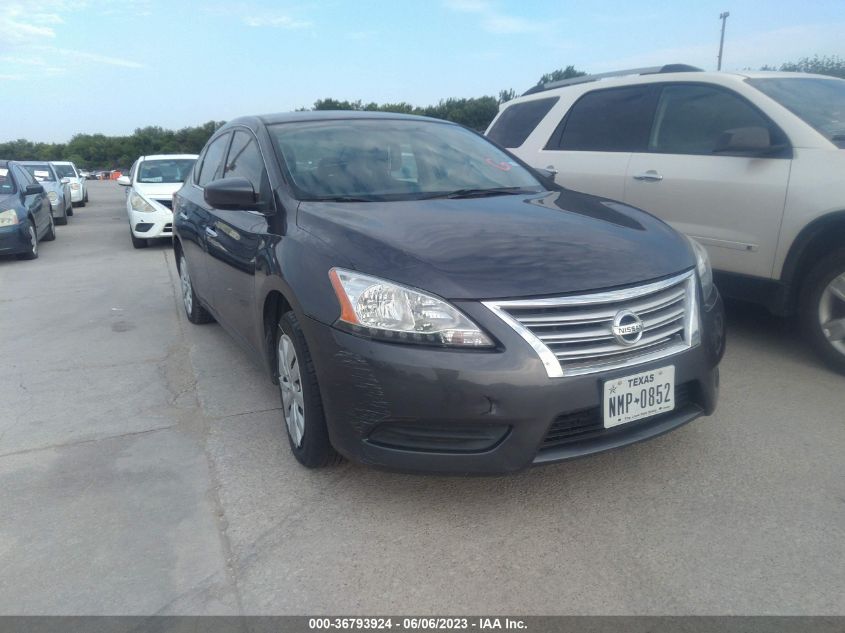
<point x="638" y="396"/>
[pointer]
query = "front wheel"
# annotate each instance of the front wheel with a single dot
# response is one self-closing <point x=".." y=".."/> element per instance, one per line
<point x="50" y="235"/>
<point x="823" y="308"/>
<point x="137" y="242"/>
<point x="302" y="408"/>
<point x="193" y="309"/>
<point x="32" y="253"/>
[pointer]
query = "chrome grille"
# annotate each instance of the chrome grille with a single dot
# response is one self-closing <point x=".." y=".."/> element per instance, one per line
<point x="573" y="336"/>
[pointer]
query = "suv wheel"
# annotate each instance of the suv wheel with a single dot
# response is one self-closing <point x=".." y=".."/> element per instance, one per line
<point x="302" y="408"/>
<point x="193" y="309"/>
<point x="823" y="308"/>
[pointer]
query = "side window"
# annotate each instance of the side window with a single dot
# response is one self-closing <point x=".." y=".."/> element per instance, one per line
<point x="23" y="177"/>
<point x="133" y="171"/>
<point x="517" y="122"/>
<point x="691" y="118"/>
<point x="611" y="120"/>
<point x="210" y="163"/>
<point x="244" y="160"/>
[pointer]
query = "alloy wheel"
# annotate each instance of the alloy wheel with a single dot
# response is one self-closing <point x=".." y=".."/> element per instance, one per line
<point x="290" y="383"/>
<point x="187" y="289"/>
<point x="832" y="313"/>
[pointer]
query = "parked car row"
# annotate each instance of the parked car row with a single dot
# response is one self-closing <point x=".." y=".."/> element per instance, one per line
<point x="749" y="164"/>
<point x="26" y="216"/>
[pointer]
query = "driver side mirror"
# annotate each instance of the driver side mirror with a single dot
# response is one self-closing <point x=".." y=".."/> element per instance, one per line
<point x="33" y="189"/>
<point x="124" y="181"/>
<point x="232" y="194"/>
<point x="65" y="180"/>
<point x="754" y="141"/>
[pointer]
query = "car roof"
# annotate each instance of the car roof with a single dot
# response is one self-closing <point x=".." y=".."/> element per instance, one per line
<point x="329" y="115"/>
<point x="166" y="156"/>
<point x="61" y="162"/>
<point x="33" y="162"/>
<point x="635" y="77"/>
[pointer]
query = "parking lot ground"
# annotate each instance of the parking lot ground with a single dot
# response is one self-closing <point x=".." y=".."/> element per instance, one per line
<point x="144" y="469"/>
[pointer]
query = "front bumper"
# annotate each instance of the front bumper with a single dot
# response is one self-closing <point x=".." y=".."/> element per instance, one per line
<point x="151" y="225"/>
<point x="14" y="239"/>
<point x="412" y="408"/>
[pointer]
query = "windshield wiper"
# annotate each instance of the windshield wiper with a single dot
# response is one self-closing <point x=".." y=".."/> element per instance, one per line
<point x="341" y="199"/>
<point x="483" y="193"/>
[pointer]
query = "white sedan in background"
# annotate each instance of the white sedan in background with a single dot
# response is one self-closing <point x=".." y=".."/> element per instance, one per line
<point x="78" y="190"/>
<point x="152" y="181"/>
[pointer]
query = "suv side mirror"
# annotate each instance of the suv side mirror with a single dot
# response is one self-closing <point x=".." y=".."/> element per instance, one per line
<point x="124" y="180"/>
<point x="232" y="194"/>
<point x="65" y="180"/>
<point x="33" y="189"/>
<point x="745" y="140"/>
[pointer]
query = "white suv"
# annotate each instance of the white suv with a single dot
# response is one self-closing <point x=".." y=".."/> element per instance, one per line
<point x="750" y="164"/>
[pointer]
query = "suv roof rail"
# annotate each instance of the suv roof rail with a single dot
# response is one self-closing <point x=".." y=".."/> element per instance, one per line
<point x="650" y="70"/>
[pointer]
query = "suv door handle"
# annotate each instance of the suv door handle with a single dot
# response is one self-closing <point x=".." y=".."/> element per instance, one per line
<point x="651" y="175"/>
<point x="210" y="232"/>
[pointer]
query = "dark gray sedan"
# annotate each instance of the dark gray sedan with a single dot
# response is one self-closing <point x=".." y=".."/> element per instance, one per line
<point x="24" y="213"/>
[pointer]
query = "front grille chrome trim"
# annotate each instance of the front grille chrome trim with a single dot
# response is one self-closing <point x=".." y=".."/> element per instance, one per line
<point x="671" y="325"/>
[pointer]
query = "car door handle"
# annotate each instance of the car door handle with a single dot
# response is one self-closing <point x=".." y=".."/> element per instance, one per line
<point x="210" y="232"/>
<point x="650" y="175"/>
<point x="183" y="215"/>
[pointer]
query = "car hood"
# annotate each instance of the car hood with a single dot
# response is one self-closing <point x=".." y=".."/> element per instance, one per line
<point x="157" y="189"/>
<point x="506" y="246"/>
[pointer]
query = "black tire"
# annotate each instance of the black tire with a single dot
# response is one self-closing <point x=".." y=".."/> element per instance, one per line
<point x="60" y="220"/>
<point x="315" y="449"/>
<point x="33" y="252"/>
<point x="85" y="199"/>
<point x="194" y="310"/>
<point x="813" y="303"/>
<point x="69" y="211"/>
<point x="137" y="242"/>
<point x="50" y="235"/>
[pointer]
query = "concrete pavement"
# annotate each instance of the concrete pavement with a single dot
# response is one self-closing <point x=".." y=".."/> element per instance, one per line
<point x="144" y="469"/>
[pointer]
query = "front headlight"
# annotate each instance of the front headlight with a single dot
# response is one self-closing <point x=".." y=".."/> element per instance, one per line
<point x="702" y="266"/>
<point x="388" y="311"/>
<point x="53" y="197"/>
<point x="8" y="217"/>
<point x="139" y="204"/>
<point x="74" y="186"/>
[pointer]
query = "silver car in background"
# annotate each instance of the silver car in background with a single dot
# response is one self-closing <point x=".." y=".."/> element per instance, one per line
<point x="78" y="190"/>
<point x="56" y="187"/>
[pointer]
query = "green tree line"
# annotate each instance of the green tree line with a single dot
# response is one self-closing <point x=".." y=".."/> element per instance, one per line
<point x="97" y="151"/>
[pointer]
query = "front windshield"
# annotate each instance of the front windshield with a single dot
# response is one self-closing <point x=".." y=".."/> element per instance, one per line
<point x="7" y="185"/>
<point x="41" y="173"/>
<point x="165" y="170"/>
<point x="64" y="171"/>
<point x="820" y="102"/>
<point x="385" y="159"/>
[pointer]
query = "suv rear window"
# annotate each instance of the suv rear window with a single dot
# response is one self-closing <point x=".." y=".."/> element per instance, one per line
<point x="517" y="122"/>
<point x="611" y="120"/>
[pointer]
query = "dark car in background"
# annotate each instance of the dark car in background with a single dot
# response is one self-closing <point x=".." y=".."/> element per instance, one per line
<point x="427" y="302"/>
<point x="56" y="188"/>
<point x="25" y="216"/>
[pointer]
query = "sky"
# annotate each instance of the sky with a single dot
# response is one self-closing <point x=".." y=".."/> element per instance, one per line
<point x="78" y="66"/>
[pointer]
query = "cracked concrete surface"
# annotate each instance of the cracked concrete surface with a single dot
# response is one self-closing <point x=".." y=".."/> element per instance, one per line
<point x="144" y="470"/>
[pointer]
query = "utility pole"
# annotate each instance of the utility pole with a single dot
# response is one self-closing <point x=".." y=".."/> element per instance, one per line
<point x="724" y="18"/>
